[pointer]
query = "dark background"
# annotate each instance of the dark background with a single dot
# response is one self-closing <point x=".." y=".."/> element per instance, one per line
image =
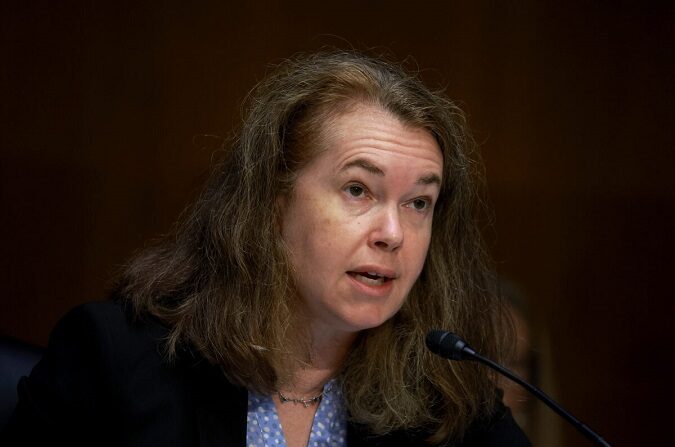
<point x="110" y="112"/>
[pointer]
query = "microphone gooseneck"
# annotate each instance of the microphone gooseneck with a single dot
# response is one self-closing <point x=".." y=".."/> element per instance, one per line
<point x="452" y="347"/>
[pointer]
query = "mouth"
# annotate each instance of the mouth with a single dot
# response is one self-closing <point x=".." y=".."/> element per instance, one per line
<point x="370" y="278"/>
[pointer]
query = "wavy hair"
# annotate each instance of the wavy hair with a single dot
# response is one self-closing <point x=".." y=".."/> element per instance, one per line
<point x="222" y="281"/>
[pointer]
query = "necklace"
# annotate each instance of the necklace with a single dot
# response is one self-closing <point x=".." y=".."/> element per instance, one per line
<point x="305" y="402"/>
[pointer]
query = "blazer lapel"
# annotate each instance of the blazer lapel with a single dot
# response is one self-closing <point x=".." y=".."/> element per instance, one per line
<point x="220" y="408"/>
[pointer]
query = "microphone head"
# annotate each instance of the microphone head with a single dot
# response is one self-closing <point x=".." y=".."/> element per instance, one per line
<point x="446" y="344"/>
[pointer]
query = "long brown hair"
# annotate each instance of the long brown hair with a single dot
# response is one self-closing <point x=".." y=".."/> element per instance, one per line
<point x="223" y="283"/>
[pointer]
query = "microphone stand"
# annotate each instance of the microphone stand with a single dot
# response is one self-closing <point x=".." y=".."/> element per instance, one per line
<point x="450" y="346"/>
<point x="553" y="405"/>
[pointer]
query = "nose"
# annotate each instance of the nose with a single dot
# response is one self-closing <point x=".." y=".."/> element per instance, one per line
<point x="387" y="233"/>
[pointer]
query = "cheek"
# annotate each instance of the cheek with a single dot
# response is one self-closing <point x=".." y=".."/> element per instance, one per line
<point x="310" y="234"/>
<point x="421" y="248"/>
<point x="330" y="224"/>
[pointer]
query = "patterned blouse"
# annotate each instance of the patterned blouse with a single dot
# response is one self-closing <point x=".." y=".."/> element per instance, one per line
<point x="263" y="428"/>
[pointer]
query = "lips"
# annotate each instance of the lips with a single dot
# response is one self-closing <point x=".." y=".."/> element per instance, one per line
<point x="372" y="276"/>
<point x="369" y="278"/>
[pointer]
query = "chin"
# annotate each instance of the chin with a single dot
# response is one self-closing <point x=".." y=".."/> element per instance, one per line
<point x="363" y="324"/>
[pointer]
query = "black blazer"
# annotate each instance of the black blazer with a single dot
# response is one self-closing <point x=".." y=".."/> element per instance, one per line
<point x="103" y="381"/>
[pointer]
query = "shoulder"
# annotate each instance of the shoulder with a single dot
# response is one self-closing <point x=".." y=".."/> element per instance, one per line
<point x="98" y="348"/>
<point x="106" y="319"/>
<point x="110" y="322"/>
<point x="103" y="335"/>
<point x="101" y="364"/>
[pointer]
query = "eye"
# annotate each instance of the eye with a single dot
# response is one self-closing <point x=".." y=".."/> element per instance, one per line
<point x="420" y="204"/>
<point x="356" y="190"/>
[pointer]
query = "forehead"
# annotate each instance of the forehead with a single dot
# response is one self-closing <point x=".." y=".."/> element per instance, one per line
<point x="374" y="133"/>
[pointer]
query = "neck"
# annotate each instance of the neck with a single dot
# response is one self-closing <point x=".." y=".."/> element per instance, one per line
<point x="327" y="353"/>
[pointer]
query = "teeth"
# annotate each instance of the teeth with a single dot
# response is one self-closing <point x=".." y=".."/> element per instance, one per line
<point x="369" y="281"/>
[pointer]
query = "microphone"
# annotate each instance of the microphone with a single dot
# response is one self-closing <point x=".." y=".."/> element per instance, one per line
<point x="452" y="347"/>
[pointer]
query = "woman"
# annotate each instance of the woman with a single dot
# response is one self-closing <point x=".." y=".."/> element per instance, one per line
<point x="291" y="304"/>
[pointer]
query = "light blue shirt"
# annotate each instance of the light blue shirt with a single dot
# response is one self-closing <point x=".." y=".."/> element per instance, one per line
<point x="263" y="428"/>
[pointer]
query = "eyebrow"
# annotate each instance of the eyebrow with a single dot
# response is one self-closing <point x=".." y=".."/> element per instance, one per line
<point x="429" y="179"/>
<point x="365" y="164"/>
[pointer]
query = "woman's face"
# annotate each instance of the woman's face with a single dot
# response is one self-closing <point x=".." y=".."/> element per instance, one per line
<point x="358" y="223"/>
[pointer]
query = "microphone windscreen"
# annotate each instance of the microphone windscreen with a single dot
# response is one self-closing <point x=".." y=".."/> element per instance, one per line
<point x="446" y="344"/>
